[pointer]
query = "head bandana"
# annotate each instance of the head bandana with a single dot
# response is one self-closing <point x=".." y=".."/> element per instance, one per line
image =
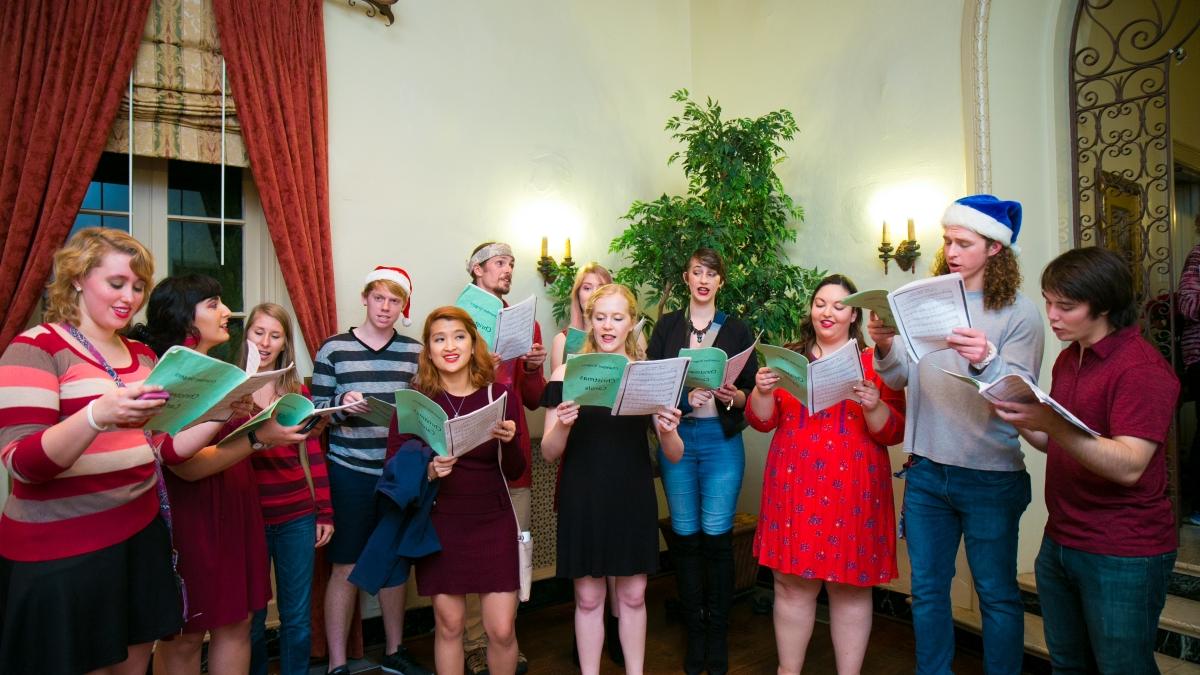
<point x="487" y="253"/>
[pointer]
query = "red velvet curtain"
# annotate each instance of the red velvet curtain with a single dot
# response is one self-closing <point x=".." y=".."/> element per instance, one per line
<point x="275" y="56"/>
<point x="63" y="68"/>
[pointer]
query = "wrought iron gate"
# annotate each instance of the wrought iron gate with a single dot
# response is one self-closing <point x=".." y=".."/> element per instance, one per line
<point x="1123" y="168"/>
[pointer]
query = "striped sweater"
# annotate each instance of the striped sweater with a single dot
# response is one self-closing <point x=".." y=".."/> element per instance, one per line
<point x="108" y="494"/>
<point x="345" y="364"/>
<point x="283" y="487"/>
<point x="1189" y="307"/>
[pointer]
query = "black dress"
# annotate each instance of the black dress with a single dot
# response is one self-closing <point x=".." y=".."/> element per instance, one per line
<point x="607" y="509"/>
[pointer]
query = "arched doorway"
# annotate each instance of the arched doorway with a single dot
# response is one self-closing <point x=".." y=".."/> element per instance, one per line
<point x="1124" y="54"/>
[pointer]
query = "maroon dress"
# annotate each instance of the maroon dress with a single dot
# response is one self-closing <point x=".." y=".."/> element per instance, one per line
<point x="218" y="529"/>
<point x="473" y="515"/>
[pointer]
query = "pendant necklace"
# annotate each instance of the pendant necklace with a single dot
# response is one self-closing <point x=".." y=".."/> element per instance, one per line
<point x="699" y="332"/>
<point x="453" y="407"/>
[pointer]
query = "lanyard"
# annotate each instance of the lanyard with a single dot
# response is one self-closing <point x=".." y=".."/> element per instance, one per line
<point x="164" y="502"/>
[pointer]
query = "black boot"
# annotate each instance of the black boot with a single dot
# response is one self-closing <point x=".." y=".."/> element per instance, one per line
<point x="689" y="573"/>
<point x="718" y="565"/>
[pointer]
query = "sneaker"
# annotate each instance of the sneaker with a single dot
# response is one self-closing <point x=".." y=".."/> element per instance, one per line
<point x="522" y="664"/>
<point x="340" y="670"/>
<point x="476" y="662"/>
<point x="401" y="662"/>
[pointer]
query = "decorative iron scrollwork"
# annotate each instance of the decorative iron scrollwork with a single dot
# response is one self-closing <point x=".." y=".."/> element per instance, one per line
<point x="378" y="7"/>
<point x="1120" y="124"/>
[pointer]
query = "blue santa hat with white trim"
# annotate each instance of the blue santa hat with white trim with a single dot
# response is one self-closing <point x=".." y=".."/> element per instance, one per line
<point x="994" y="218"/>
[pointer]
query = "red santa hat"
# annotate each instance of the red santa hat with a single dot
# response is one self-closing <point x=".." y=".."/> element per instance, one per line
<point x="398" y="276"/>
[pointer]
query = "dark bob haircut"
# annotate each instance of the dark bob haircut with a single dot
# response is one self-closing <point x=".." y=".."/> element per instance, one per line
<point x="171" y="312"/>
<point x="1095" y="276"/>
<point x="710" y="259"/>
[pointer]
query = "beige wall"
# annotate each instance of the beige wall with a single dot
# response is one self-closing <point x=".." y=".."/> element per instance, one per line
<point x="466" y="122"/>
<point x="876" y="92"/>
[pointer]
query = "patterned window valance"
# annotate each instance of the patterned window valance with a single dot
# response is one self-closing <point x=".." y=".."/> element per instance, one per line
<point x="177" y="90"/>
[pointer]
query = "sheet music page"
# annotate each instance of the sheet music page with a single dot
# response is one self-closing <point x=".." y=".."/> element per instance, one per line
<point x="928" y="310"/>
<point x="323" y="412"/>
<point x="1011" y="387"/>
<point x="736" y="362"/>
<point x="253" y="360"/>
<point x="831" y="379"/>
<point x="380" y="413"/>
<point x="514" y="329"/>
<point x="648" y="386"/>
<point x="224" y="408"/>
<point x="464" y="434"/>
<point x="1019" y="389"/>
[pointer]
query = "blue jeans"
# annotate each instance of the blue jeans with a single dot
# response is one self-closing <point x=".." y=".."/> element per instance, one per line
<point x="943" y="504"/>
<point x="290" y="546"/>
<point x="702" y="488"/>
<point x="1101" y="611"/>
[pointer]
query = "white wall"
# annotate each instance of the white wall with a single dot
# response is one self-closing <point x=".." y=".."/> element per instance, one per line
<point x="445" y="127"/>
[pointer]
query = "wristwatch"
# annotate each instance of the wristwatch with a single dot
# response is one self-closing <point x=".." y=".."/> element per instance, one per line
<point x="255" y="444"/>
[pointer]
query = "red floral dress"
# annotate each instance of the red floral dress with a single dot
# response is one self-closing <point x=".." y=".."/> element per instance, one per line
<point x="827" y="509"/>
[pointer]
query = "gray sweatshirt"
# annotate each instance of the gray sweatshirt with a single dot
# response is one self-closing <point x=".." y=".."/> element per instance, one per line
<point x="946" y="420"/>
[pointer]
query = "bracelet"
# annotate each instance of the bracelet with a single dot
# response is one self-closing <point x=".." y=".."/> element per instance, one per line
<point x="92" y="420"/>
<point x="987" y="360"/>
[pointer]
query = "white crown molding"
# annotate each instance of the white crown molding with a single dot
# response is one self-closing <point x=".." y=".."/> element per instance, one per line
<point x="975" y="84"/>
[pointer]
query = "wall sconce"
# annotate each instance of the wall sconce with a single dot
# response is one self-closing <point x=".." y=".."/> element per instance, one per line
<point x="907" y="251"/>
<point x="375" y="7"/>
<point x="548" y="268"/>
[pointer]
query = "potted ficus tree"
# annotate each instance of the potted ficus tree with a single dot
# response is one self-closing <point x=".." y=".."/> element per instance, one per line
<point x="736" y="204"/>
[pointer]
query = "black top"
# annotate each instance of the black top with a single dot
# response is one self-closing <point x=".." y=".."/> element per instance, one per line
<point x="671" y="334"/>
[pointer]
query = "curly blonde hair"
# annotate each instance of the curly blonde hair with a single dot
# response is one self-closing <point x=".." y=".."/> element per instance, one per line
<point x="80" y="255"/>
<point x="1001" y="275"/>
<point x="631" y="340"/>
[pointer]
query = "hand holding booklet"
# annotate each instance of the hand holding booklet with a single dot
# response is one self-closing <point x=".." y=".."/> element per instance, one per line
<point x="289" y="410"/>
<point x="508" y="331"/>
<point x="924" y="312"/>
<point x="1016" y="388"/>
<point x="711" y="367"/>
<point x="202" y="388"/>
<point x="627" y="387"/>
<point x="514" y="329"/>
<point x="417" y="414"/>
<point x="817" y="384"/>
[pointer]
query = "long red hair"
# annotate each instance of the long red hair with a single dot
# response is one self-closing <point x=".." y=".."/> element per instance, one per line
<point x="428" y="380"/>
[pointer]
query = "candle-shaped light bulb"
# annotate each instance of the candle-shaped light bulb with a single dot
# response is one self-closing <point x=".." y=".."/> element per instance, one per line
<point x="568" y="247"/>
<point x="885" y="234"/>
<point x="912" y="232"/>
<point x="543" y="247"/>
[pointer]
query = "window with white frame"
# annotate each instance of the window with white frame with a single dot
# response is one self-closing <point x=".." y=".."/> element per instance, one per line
<point x="176" y="213"/>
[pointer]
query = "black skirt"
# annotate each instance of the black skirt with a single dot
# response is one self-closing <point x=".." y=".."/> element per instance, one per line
<point x="77" y="614"/>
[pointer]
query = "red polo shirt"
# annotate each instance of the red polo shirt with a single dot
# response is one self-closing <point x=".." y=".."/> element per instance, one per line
<point x="1122" y="387"/>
